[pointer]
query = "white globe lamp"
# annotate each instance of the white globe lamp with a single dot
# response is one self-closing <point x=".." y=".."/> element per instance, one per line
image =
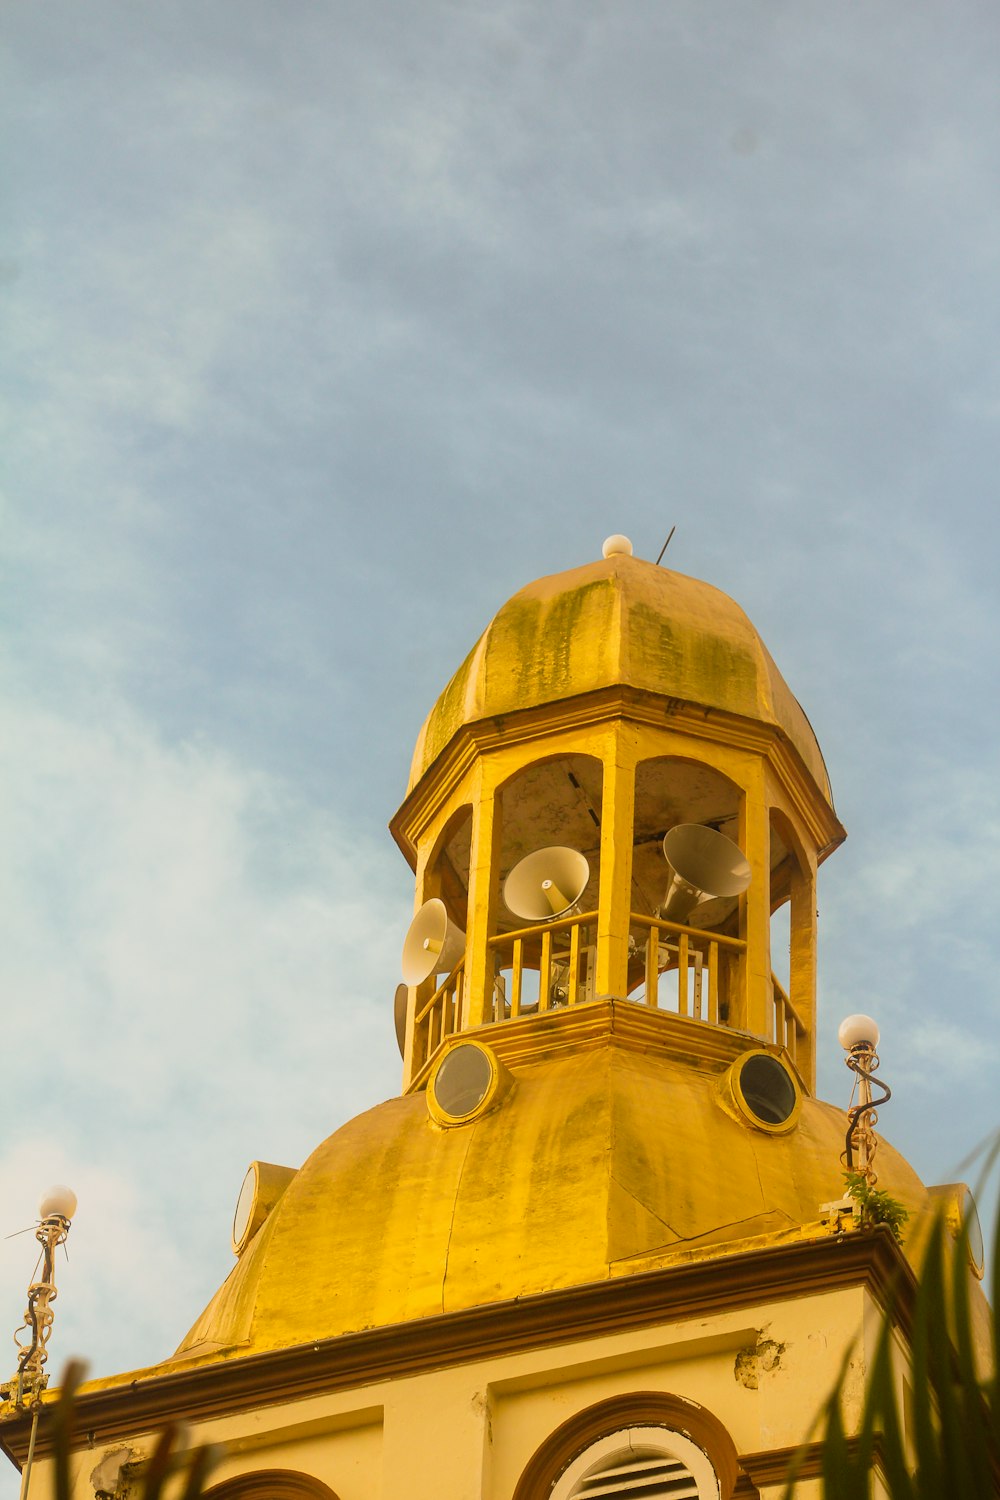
<point x="858" y="1031"/>
<point x="59" y="1200"/>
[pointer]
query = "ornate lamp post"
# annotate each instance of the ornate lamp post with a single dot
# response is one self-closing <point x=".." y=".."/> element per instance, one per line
<point x="859" y="1036"/>
<point x="25" y="1388"/>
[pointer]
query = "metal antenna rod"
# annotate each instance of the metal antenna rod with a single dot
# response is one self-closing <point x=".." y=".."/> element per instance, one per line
<point x="666" y="544"/>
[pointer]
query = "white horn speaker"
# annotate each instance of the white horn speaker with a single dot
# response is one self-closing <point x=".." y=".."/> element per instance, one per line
<point x="546" y="884"/>
<point x="703" y="864"/>
<point x="433" y="944"/>
<point x="399" y="1005"/>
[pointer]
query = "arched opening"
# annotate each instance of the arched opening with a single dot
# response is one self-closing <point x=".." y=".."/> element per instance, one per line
<point x="787" y="866"/>
<point x="544" y="933"/>
<point x="641" y="1429"/>
<point x="434" y="949"/>
<point x="793" y="944"/>
<point x="447" y="871"/>
<point x="652" y="1461"/>
<point x="684" y="958"/>
<point x="671" y="790"/>
<point x="271" y="1484"/>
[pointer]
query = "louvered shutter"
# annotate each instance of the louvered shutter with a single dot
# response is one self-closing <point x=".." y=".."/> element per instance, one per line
<point x="639" y="1478"/>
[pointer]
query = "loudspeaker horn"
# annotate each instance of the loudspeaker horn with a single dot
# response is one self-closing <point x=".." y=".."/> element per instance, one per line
<point x="399" y="1004"/>
<point x="703" y="864"/>
<point x="433" y="944"/>
<point x="546" y="884"/>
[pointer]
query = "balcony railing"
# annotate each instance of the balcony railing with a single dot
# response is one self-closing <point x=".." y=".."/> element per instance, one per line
<point x="558" y="957"/>
<point x="788" y="1027"/>
<point x="438" y="1019"/>
<point x="686" y="970"/>
<point x="671" y="967"/>
<point x="683" y="969"/>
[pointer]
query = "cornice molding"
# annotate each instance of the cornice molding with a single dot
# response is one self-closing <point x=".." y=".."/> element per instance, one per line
<point x="586" y="710"/>
<point x="664" y="1296"/>
<point x="591" y="1024"/>
<point x="774" y="1465"/>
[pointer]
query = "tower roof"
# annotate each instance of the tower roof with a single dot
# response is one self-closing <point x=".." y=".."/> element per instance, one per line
<point x="620" y="1141"/>
<point x="619" y="621"/>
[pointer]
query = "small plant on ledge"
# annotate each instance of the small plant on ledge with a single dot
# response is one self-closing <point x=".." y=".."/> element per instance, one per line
<point x="877" y="1207"/>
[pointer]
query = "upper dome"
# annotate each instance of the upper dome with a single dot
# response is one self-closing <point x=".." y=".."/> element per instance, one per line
<point x="620" y="621"/>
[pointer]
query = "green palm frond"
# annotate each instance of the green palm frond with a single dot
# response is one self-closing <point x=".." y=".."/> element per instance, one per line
<point x="168" y="1458"/>
<point x="946" y="1445"/>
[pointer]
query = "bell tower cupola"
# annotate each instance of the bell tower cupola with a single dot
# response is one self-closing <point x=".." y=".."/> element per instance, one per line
<point x="609" y="802"/>
<point x="599" y="1242"/>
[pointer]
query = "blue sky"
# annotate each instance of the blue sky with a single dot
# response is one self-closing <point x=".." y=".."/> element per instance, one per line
<point x="325" y="328"/>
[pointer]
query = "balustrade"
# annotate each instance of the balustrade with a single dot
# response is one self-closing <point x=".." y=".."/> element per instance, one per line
<point x="788" y="1027"/>
<point x="685" y="970"/>
<point x="698" y="967"/>
<point x="560" y="954"/>
<point x="438" y="1019"/>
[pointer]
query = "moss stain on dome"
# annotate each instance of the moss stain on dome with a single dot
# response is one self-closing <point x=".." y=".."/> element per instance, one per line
<point x="662" y="652"/>
<point x="618" y="621"/>
<point x="547" y="643"/>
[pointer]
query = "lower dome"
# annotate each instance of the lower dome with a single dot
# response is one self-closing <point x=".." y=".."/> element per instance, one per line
<point x="596" y="1164"/>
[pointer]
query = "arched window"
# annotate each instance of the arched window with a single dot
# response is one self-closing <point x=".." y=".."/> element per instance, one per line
<point x="270" y="1484"/>
<point x="643" y="1444"/>
<point x="653" y="1463"/>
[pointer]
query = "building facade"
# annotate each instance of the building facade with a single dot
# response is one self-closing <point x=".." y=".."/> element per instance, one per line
<point x="598" y="1246"/>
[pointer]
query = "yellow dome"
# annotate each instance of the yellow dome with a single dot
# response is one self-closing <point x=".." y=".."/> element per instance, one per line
<point x="619" y="621"/>
<point x="598" y="1162"/>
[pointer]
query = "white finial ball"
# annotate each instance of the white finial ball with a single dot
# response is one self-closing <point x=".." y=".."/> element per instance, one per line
<point x="857" y="1029"/>
<point x="617" y="546"/>
<point x="59" y="1200"/>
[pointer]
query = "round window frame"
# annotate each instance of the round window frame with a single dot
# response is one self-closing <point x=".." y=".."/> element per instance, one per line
<point x="496" y="1088"/>
<point x="267" y="1181"/>
<point x="735" y="1089"/>
<point x="958" y="1205"/>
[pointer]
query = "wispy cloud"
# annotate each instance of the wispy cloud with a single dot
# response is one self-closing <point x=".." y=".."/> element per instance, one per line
<point x="326" y="329"/>
<point x="197" y="968"/>
<point x="124" y="1277"/>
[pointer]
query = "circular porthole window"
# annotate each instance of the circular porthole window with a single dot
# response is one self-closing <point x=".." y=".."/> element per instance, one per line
<point x="962" y="1218"/>
<point x="764" y="1091"/>
<point x="263" y="1185"/>
<point x="465" y="1083"/>
<point x="974" y="1233"/>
